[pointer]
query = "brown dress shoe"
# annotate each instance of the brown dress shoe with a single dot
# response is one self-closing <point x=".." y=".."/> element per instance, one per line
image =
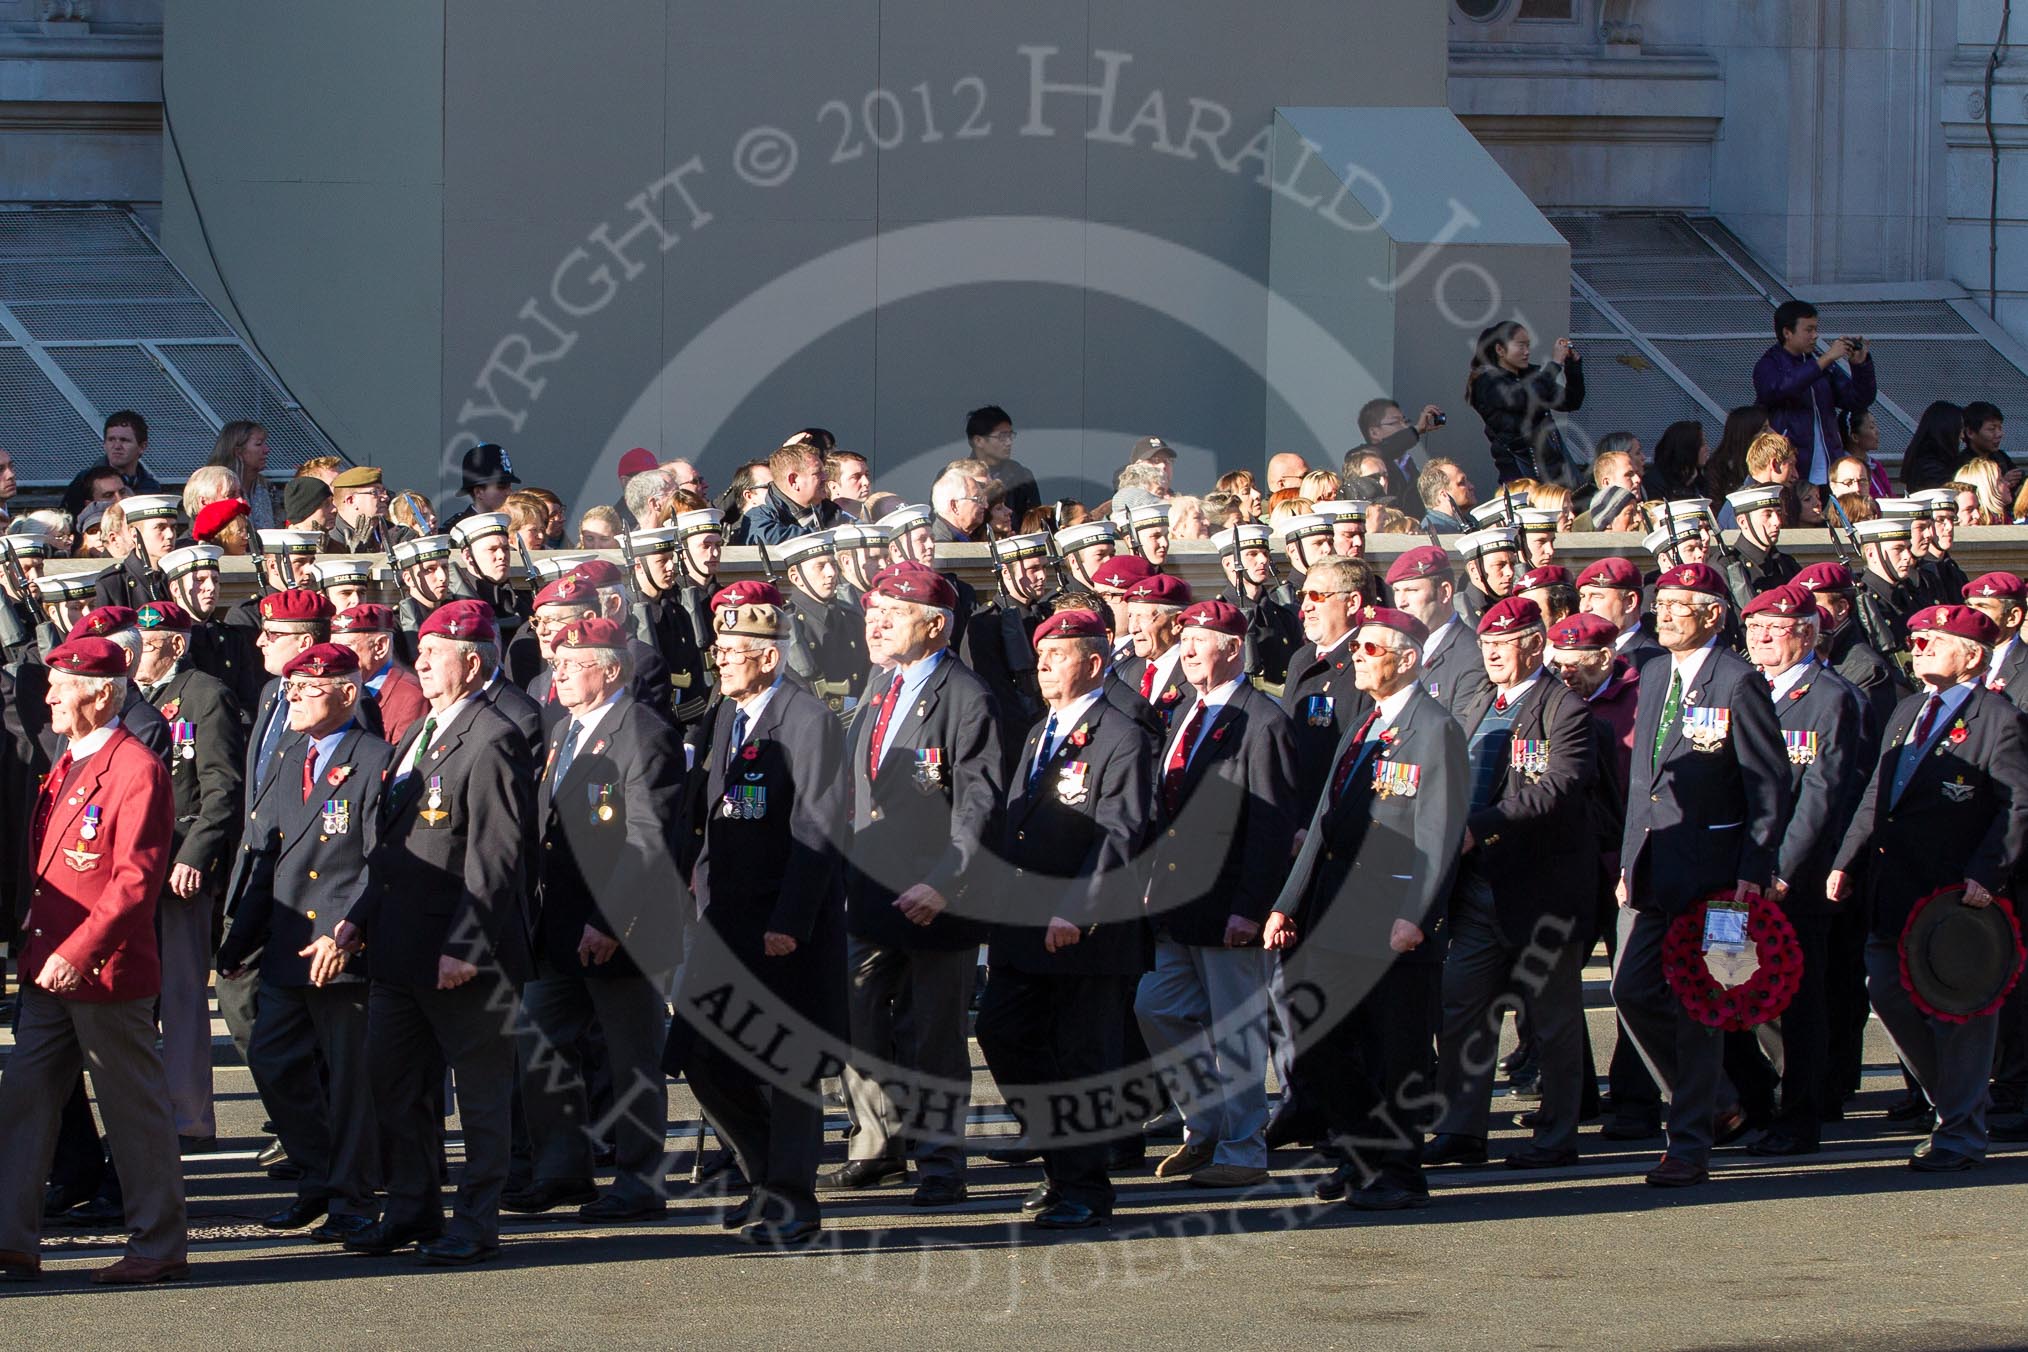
<point x="133" y="1271"/>
<point x="1187" y="1159"/>
<point x="19" y="1267"/>
<point x="1676" y="1173"/>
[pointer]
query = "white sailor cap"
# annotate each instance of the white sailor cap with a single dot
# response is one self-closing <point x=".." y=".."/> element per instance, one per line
<point x="1754" y="497"/>
<point x="1480" y="543"/>
<point x="652" y="540"/>
<point x="290" y="541"/>
<point x="479" y="526"/>
<point x="151" y="506"/>
<point x="789" y="553"/>
<point x="1085" y="534"/>
<point x="1244" y="535"/>
<point x="902" y="520"/>
<point x="702" y="521"/>
<point x="421" y="549"/>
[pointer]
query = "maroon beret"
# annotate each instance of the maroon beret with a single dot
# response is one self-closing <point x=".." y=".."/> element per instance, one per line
<point x="600" y="572"/>
<point x="1218" y="616"/>
<point x="1701" y="578"/>
<point x="88" y="657"/>
<point x="1160" y="589"/>
<point x="1825" y="577"/>
<point x="1957" y="621"/>
<point x="105" y="620"/>
<point x="1611" y="572"/>
<point x="1551" y="576"/>
<point x="1513" y="615"/>
<point x="1121" y="572"/>
<point x="297" y="605"/>
<point x="1786" y="601"/>
<point x="1997" y="587"/>
<point x="1400" y="621"/>
<point x="1582" y="630"/>
<point x="1422" y="561"/>
<point x="368" y="617"/>
<point x="1071" y="624"/>
<point x="912" y="581"/>
<point x="593" y="631"/>
<point x="323" y="659"/>
<point x="163" y="615"/>
<point x="749" y="593"/>
<point x="572" y="589"/>
<point x="466" y="621"/>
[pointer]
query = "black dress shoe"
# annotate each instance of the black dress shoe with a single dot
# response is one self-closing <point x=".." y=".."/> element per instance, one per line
<point x="1453" y="1148"/>
<point x="1041" y="1197"/>
<point x="613" y="1206"/>
<point x="855" y="1174"/>
<point x="297" y="1214"/>
<point x="271" y="1154"/>
<point x="734" y="1217"/>
<point x="1126" y="1154"/>
<point x="1384" y="1196"/>
<point x="1674" y="1172"/>
<point x="1066" y="1216"/>
<point x="99" y="1211"/>
<point x="1535" y="1157"/>
<point x="60" y="1199"/>
<point x="935" y="1192"/>
<point x="338" y="1229"/>
<point x="1289" y="1129"/>
<point x="780" y="1234"/>
<point x="1909" y="1108"/>
<point x="456" y="1251"/>
<point x="288" y="1171"/>
<point x="1533" y="1118"/>
<point x="197" y="1145"/>
<point x="1630" y="1129"/>
<point x="1782" y="1143"/>
<point x="1930" y="1158"/>
<point x="548" y="1195"/>
<point x="1014" y="1155"/>
<point x="1333" y="1186"/>
<point x="1729" y="1125"/>
<point x="382" y="1237"/>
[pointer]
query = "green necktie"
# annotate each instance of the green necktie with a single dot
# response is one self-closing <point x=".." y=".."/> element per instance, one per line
<point x="1671" y="708"/>
<point x="422" y="743"/>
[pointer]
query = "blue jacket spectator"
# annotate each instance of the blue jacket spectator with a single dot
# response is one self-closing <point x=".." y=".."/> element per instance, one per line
<point x="1803" y="391"/>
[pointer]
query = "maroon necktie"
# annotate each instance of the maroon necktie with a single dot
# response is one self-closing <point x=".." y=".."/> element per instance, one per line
<point x="880" y="728"/>
<point x="309" y="770"/>
<point x="1928" y="721"/>
<point x="1148" y="681"/>
<point x="52" y="789"/>
<point x="1343" y="775"/>
<point x="1179" y="761"/>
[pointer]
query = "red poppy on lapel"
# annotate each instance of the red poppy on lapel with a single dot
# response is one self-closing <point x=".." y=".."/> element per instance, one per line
<point x="1171" y="695"/>
<point x="171" y="709"/>
<point x="1958" y="734"/>
<point x="339" y="774"/>
<point x="1218" y="733"/>
<point x="1080" y="737"/>
<point x="750" y="752"/>
<point x="1387" y="737"/>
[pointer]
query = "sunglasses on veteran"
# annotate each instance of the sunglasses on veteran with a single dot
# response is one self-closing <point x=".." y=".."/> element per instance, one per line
<point x="1321" y="596"/>
<point x="1372" y="649"/>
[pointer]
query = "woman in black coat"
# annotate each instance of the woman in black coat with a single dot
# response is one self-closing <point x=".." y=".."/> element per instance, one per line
<point x="1517" y="402"/>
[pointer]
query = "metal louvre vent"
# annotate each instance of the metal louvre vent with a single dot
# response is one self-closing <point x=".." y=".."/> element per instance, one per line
<point x="225" y="377"/>
<point x="1913" y="372"/>
<point x="52" y="323"/>
<point x="1901" y="316"/>
<point x="38" y="425"/>
<point x="179" y="437"/>
<point x="1693" y="279"/>
<point x="1626" y="391"/>
<point x="1627" y="236"/>
<point x="45" y="232"/>
<point x="102" y="321"/>
<point x="1587" y="319"/>
<point x="1743" y="315"/>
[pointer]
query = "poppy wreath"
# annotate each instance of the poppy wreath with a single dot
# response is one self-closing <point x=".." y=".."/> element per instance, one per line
<point x="1763" y="996"/>
<point x="2006" y="908"/>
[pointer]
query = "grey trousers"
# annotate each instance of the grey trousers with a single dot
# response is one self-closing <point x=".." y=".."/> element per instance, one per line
<point x="184" y="928"/>
<point x="1686" y="1058"/>
<point x="560" y="1009"/>
<point x="1951" y="1061"/>
<point x="1210" y="1005"/>
<point x="309" y="1062"/>
<point x="53" y="1040"/>
<point x="1485" y="975"/>
<point x="413" y="1033"/>
<point x="915" y="1003"/>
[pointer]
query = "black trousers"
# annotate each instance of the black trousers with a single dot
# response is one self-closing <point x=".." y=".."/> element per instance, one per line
<point x="1041" y="1031"/>
<point x="1793" y="1051"/>
<point x="1846" y="1007"/>
<point x="1373" y="1071"/>
<point x="414" y="1032"/>
<point x="777" y="1133"/>
<point x="309" y="1062"/>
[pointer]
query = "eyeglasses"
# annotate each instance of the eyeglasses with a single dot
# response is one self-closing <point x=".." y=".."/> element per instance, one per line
<point x="1673" y="607"/>
<point x="725" y="655"/>
<point x="307" y="689"/>
<point x="565" y="665"/>
<point x="1768" y="630"/>
<point x="1919" y="642"/>
<point x="1003" y="437"/>
<point x="1372" y="649"/>
<point x="1321" y="596"/>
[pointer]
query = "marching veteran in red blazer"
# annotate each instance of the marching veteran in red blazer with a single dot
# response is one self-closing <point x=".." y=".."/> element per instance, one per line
<point x="90" y="971"/>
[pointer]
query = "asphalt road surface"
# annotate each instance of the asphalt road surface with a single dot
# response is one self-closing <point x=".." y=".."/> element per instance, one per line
<point x="1848" y="1250"/>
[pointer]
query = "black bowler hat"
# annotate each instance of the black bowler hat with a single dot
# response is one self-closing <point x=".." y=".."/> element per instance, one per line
<point x="1957" y="961"/>
<point x="487" y="463"/>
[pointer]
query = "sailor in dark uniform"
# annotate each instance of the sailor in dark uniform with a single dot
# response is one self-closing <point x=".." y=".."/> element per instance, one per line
<point x="63" y="599"/>
<point x="1492" y="565"/>
<point x="662" y="622"/>
<point x="153" y="522"/>
<point x="910" y="537"/>
<point x="345" y="582"/>
<point x="1761" y="563"/>
<point x="1000" y="642"/>
<point x="1308" y="540"/>
<point x="1148" y="531"/>
<point x="22" y="555"/>
<point x="423" y="578"/>
<point x="1933" y="546"/>
<point x="862" y="551"/>
<point x="1273" y="630"/>
<point x="223" y="651"/>
<point x="485" y="559"/>
<point x="1892" y="585"/>
<point x="827" y="644"/>
<point x="1085" y="546"/>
